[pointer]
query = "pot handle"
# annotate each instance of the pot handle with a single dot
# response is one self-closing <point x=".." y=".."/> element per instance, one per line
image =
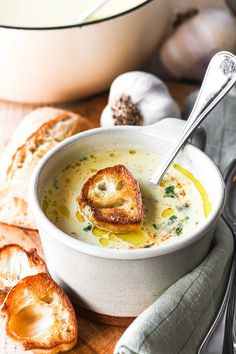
<point x="170" y="129"/>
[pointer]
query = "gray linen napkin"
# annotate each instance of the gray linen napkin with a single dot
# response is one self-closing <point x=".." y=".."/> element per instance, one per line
<point x="178" y="321"/>
<point x="220" y="127"/>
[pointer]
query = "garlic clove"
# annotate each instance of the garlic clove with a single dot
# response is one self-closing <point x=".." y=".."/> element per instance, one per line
<point x="138" y="98"/>
<point x="187" y="52"/>
<point x="106" y="118"/>
<point x="135" y="84"/>
<point x="165" y="107"/>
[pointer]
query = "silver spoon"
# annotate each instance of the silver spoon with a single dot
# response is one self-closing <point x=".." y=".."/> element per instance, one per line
<point x="219" y="79"/>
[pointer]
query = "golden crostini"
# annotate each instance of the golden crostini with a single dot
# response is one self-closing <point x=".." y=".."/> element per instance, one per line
<point x="40" y="316"/>
<point x="15" y="264"/>
<point x="111" y="199"/>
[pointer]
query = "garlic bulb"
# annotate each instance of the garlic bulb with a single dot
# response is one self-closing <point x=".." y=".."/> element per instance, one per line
<point x="188" y="51"/>
<point x="138" y="98"/>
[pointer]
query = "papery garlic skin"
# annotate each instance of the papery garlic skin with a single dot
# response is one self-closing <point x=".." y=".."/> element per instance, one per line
<point x="188" y="51"/>
<point x="106" y="118"/>
<point x="147" y="92"/>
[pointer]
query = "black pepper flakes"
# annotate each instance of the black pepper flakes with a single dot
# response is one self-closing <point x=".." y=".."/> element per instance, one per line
<point x="125" y="112"/>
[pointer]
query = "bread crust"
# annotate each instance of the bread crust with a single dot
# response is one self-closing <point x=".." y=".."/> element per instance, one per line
<point x="13" y="258"/>
<point x="37" y="133"/>
<point x="40" y="290"/>
<point x="111" y="199"/>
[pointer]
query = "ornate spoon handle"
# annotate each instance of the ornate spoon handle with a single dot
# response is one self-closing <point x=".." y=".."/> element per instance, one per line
<point x="219" y="79"/>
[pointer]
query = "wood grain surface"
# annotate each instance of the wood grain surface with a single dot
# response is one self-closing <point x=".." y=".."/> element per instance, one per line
<point x="94" y="338"/>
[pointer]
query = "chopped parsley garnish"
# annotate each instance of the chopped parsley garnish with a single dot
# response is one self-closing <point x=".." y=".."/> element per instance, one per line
<point x="172" y="219"/>
<point x="158" y="226"/>
<point x="147" y="246"/>
<point x="170" y="192"/>
<point x="186" y="218"/>
<point x="179" y="231"/>
<point x="87" y="228"/>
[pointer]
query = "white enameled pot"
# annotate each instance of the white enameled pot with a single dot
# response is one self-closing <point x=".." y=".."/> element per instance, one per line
<point x="123" y="282"/>
<point x="65" y="63"/>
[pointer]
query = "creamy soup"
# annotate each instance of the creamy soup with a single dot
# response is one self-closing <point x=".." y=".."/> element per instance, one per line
<point x="50" y="13"/>
<point x="171" y="210"/>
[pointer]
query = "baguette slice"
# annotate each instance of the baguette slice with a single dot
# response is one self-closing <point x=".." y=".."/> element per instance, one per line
<point x="15" y="264"/>
<point x="37" y="133"/>
<point x="111" y="199"/>
<point x="40" y="316"/>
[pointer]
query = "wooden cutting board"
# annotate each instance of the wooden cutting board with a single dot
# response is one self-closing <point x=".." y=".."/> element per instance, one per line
<point x="94" y="338"/>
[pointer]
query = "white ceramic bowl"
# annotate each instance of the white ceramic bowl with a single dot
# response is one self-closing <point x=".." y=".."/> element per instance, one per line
<point x="123" y="282"/>
<point x="65" y="63"/>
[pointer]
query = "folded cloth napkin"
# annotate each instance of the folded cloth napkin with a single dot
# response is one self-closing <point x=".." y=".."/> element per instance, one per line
<point x="178" y="321"/>
<point x="220" y="127"/>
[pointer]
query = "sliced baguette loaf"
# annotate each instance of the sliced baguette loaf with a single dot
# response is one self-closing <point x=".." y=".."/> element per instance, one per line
<point x="40" y="316"/>
<point x="111" y="199"/>
<point x="15" y="264"/>
<point x="37" y="133"/>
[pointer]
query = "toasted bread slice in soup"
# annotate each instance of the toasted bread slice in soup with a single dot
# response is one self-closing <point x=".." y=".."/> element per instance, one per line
<point x="15" y="264"/>
<point x="37" y="133"/>
<point x="111" y="199"/>
<point x="40" y="316"/>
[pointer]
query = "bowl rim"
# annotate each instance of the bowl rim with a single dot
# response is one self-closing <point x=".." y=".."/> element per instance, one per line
<point x="124" y="254"/>
<point x="83" y="24"/>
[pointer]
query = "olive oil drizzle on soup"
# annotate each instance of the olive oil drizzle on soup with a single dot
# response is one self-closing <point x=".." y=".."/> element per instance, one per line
<point x="171" y="210"/>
